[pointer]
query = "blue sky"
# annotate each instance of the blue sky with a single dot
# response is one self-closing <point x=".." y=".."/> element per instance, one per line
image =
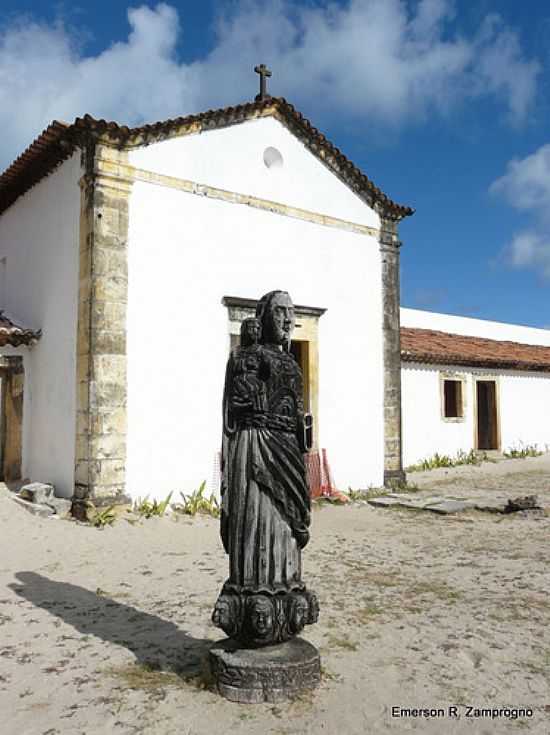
<point x="443" y="104"/>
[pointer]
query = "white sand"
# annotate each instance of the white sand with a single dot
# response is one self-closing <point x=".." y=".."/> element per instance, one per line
<point x="417" y="610"/>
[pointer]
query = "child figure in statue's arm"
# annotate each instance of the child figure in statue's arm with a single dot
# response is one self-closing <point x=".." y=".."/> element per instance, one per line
<point x="248" y="386"/>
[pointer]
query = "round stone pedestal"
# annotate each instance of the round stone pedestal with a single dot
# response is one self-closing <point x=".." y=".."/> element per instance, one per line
<point x="269" y="674"/>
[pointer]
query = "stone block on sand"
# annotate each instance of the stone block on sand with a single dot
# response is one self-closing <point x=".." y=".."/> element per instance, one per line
<point x="37" y="509"/>
<point x="36" y="492"/>
<point x="383" y="501"/>
<point x="449" y="506"/>
<point x="61" y="506"/>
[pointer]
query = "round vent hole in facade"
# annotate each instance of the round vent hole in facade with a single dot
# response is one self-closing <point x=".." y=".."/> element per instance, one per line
<point x="273" y="158"/>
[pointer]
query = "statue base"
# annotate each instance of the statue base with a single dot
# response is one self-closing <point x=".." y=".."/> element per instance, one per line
<point x="270" y="674"/>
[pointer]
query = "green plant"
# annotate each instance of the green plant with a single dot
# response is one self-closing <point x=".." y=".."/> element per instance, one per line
<point x="101" y="518"/>
<point x="355" y="495"/>
<point x="444" y="460"/>
<point x="147" y="508"/>
<point x="196" y="502"/>
<point x="522" y="451"/>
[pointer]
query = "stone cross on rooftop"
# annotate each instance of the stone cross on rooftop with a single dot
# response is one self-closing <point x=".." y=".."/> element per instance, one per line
<point x="264" y="72"/>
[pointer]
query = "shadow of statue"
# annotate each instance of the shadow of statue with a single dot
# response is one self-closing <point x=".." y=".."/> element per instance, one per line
<point x="156" y="643"/>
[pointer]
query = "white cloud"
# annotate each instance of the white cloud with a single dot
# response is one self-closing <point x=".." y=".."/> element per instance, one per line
<point x="526" y="183"/>
<point x="526" y="186"/>
<point x="530" y="249"/>
<point x="376" y="61"/>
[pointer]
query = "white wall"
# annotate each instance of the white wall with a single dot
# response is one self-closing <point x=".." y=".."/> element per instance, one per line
<point x="185" y="253"/>
<point x="523" y="397"/>
<point x="39" y="237"/>
<point x="232" y="159"/>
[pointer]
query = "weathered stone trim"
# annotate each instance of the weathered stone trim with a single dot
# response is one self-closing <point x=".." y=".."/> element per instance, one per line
<point x="462" y="378"/>
<point x="389" y="254"/>
<point x="100" y="471"/>
<point x="238" y="302"/>
<point x="113" y="171"/>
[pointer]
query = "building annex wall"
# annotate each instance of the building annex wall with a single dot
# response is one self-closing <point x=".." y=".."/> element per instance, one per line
<point x="522" y="415"/>
<point x="185" y="253"/>
<point x="39" y="237"/>
<point x="522" y="397"/>
<point x="525" y="398"/>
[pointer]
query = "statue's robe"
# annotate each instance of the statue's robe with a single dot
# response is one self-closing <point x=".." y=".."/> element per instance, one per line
<point x="265" y="498"/>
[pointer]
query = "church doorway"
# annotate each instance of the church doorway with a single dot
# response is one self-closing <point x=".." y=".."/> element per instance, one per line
<point x="300" y="350"/>
<point x="11" y="418"/>
<point x="487" y="415"/>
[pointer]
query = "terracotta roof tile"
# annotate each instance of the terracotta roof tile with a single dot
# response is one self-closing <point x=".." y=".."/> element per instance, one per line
<point x="14" y="335"/>
<point x="430" y="346"/>
<point x="46" y="152"/>
<point x="59" y="140"/>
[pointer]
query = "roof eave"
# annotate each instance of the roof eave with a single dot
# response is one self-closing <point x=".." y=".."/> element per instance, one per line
<point x="426" y="358"/>
<point x="59" y="141"/>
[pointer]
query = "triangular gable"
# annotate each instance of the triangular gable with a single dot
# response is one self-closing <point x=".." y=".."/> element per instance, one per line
<point x="259" y="160"/>
<point x="58" y="141"/>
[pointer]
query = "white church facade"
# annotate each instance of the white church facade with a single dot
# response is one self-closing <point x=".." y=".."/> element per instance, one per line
<point x="130" y="256"/>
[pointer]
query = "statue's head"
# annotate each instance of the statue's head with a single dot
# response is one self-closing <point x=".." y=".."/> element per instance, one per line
<point x="275" y="310"/>
<point x="260" y="616"/>
<point x="297" y="612"/>
<point x="251" y="331"/>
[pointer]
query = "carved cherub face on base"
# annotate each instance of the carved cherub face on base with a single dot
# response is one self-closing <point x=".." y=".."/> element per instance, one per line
<point x="297" y="613"/>
<point x="313" y="607"/>
<point x="225" y="615"/>
<point x="260" y="617"/>
<point x="222" y="613"/>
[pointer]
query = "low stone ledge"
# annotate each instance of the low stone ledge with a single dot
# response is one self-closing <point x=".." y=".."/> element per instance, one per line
<point x="450" y="506"/>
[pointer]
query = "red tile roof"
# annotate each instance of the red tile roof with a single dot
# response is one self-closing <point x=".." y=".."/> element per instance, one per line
<point x="59" y="140"/>
<point x="46" y="152"/>
<point x="14" y="335"/>
<point x="430" y="346"/>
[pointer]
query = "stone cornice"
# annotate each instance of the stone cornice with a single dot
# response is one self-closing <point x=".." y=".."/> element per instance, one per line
<point x="242" y="303"/>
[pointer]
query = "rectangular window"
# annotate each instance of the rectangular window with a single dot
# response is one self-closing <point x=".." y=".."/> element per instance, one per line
<point x="452" y="399"/>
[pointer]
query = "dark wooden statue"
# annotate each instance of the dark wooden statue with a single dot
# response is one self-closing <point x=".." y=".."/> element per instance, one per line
<point x="265" y="512"/>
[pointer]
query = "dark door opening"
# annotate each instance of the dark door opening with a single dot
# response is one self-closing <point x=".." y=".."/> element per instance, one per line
<point x="487" y="426"/>
<point x="300" y="350"/>
<point x="11" y="418"/>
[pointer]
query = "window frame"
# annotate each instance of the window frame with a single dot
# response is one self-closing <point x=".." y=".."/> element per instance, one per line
<point x="456" y="378"/>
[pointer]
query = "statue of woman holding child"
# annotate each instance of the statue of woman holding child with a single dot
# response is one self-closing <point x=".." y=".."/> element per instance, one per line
<point x="265" y="510"/>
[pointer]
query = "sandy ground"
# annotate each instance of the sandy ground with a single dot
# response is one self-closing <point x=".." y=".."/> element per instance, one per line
<point x="107" y="631"/>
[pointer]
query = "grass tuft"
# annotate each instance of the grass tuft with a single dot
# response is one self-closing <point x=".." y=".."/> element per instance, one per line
<point x="146" y="508"/>
<point x="444" y="460"/>
<point x="197" y="502"/>
<point x="100" y="518"/>
<point x="522" y="450"/>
